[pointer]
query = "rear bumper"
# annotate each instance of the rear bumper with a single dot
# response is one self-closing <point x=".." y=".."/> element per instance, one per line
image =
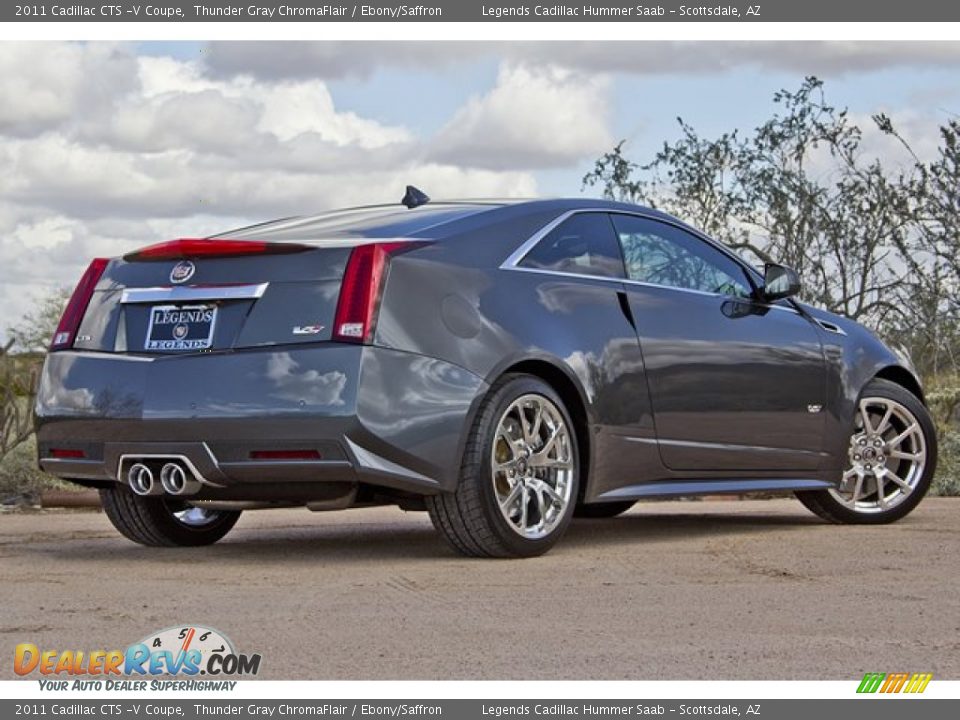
<point x="372" y="415"/>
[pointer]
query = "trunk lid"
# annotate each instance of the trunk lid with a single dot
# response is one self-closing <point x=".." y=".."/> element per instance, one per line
<point x="191" y="298"/>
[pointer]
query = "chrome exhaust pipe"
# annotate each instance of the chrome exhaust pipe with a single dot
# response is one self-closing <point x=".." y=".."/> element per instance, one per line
<point x="140" y="479"/>
<point x="175" y="480"/>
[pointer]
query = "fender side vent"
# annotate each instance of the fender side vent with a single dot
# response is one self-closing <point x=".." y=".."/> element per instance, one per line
<point x="830" y="327"/>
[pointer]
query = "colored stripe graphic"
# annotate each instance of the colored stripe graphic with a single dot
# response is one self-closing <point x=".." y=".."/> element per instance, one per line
<point x="894" y="682"/>
<point x="918" y="683"/>
<point x="871" y="682"/>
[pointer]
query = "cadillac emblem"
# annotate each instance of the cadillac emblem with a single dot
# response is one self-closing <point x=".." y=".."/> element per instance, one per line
<point x="182" y="272"/>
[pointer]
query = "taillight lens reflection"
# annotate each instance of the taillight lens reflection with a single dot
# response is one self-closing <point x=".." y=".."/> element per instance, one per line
<point x="362" y="288"/>
<point x="66" y="332"/>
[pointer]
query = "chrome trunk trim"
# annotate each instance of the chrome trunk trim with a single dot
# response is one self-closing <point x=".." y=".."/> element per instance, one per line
<point x="193" y="292"/>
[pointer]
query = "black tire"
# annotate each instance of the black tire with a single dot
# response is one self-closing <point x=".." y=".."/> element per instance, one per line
<point x="603" y="510"/>
<point x="826" y="506"/>
<point x="151" y="520"/>
<point x="470" y="518"/>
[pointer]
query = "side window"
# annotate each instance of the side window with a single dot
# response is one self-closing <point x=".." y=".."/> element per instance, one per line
<point x="661" y="254"/>
<point x="584" y="244"/>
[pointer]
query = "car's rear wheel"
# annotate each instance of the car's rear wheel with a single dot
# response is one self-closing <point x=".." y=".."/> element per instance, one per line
<point x="603" y="510"/>
<point x="891" y="460"/>
<point x="164" y="521"/>
<point x="519" y="474"/>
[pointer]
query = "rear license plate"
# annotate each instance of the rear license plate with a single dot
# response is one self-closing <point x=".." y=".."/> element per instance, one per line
<point x="181" y="327"/>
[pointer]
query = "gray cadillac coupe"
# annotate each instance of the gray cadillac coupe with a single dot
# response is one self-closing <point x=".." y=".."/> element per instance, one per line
<point x="503" y="365"/>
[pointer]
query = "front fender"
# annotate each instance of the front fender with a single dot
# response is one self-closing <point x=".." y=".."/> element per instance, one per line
<point x="854" y="357"/>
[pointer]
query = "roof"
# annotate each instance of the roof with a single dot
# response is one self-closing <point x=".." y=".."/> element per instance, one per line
<point x="437" y="219"/>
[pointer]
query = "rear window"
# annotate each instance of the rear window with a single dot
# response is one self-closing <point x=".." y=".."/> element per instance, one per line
<point x="585" y="244"/>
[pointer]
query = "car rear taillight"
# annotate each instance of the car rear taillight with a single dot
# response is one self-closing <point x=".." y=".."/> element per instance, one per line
<point x="67" y="454"/>
<point x="184" y="248"/>
<point x="362" y="288"/>
<point x="72" y="315"/>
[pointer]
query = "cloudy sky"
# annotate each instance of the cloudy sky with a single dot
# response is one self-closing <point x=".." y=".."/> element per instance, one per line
<point x="108" y="147"/>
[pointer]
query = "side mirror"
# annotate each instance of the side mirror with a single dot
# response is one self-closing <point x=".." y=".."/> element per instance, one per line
<point x="779" y="281"/>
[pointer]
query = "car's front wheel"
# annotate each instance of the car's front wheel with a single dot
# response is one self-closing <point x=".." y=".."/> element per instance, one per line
<point x="891" y="459"/>
<point x="164" y="521"/>
<point x="519" y="474"/>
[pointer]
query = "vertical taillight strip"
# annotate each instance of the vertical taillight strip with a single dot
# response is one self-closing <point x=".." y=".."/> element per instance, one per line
<point x="66" y="333"/>
<point x="362" y="288"/>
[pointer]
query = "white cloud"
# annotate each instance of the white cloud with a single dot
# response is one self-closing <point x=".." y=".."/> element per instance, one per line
<point x="292" y="109"/>
<point x="921" y="131"/>
<point x="335" y="60"/>
<point x="43" y="85"/>
<point x="277" y="60"/>
<point x="105" y="151"/>
<point x="545" y="117"/>
<point x="175" y="106"/>
<point x="163" y="75"/>
<point x="86" y="182"/>
<point x="206" y="121"/>
<point x="680" y="57"/>
<point x="284" y="109"/>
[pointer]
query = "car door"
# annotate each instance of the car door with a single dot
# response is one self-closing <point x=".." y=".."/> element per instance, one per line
<point x="572" y="285"/>
<point x="580" y="269"/>
<point x="735" y="384"/>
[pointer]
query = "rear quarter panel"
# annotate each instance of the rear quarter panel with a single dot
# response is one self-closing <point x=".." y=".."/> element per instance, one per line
<point x="452" y="301"/>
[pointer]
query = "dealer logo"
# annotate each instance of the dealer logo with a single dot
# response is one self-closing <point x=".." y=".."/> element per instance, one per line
<point x="182" y="271"/>
<point x="185" y="650"/>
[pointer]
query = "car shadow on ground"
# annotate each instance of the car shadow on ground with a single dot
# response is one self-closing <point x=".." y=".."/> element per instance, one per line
<point x="346" y="542"/>
<point x="653" y="528"/>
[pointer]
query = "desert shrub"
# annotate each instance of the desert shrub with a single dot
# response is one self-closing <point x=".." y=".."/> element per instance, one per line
<point x="20" y="475"/>
<point x="947" y="481"/>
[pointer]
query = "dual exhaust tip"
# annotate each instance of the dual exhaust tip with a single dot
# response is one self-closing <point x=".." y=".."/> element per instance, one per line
<point x="172" y="478"/>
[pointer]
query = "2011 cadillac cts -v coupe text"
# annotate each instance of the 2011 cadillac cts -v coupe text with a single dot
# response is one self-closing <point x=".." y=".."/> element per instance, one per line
<point x="503" y="365"/>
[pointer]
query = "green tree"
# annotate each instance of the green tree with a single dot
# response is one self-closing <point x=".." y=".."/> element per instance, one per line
<point x="19" y="364"/>
<point x="798" y="190"/>
<point x="35" y="330"/>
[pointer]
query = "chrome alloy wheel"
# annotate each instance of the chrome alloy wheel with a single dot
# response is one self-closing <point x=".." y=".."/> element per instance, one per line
<point x="533" y="466"/>
<point x="887" y="457"/>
